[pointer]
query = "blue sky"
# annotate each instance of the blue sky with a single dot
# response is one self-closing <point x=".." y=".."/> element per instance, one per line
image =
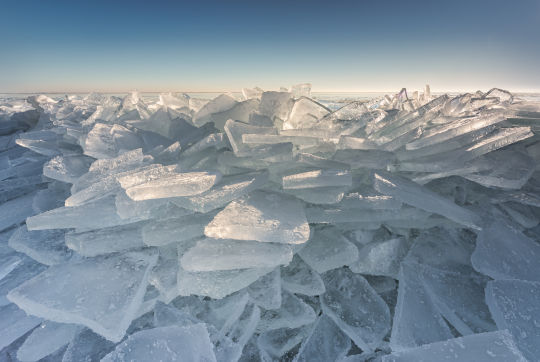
<point x="79" y="46"/>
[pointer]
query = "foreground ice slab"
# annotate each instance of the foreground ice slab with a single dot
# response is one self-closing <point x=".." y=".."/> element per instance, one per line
<point x="515" y="305"/>
<point x="262" y="216"/>
<point x="174" y="343"/>
<point x="483" y="347"/>
<point x="121" y="280"/>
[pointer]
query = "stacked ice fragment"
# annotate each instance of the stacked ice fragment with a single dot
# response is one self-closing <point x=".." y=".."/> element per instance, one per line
<point x="270" y="228"/>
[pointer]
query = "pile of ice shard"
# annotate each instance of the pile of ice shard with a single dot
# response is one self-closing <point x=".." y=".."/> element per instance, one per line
<point x="270" y="228"/>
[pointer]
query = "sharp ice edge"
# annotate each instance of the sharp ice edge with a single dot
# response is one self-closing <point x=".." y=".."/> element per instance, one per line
<point x="273" y="227"/>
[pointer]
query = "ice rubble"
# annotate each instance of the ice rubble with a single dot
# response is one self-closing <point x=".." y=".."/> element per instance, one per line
<point x="272" y="227"/>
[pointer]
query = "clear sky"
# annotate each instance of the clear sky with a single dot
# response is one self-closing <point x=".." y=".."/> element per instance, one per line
<point x="115" y="46"/>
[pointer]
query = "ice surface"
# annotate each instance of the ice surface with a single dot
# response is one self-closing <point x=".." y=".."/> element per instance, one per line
<point x="505" y="253"/>
<point x="14" y="323"/>
<point x="121" y="279"/>
<point x="277" y="227"/>
<point x="225" y="254"/>
<point x="266" y="292"/>
<point x="217" y="284"/>
<point x="293" y="313"/>
<point x="45" y="246"/>
<point x="356" y="308"/>
<point x="328" y="249"/>
<point x="483" y="347"/>
<point x="262" y="216"/>
<point x="183" y="184"/>
<point x="515" y="305"/>
<point x="326" y="342"/>
<point x="299" y="278"/>
<point x="173" y="343"/>
<point x="418" y="196"/>
<point x="46" y="339"/>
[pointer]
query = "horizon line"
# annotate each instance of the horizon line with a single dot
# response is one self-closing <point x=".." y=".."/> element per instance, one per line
<point x="523" y="91"/>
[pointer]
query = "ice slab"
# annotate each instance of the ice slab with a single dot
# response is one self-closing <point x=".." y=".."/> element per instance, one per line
<point x="505" y="253"/>
<point x="261" y="216"/>
<point x="483" y="347"/>
<point x="305" y="113"/>
<point x="515" y="305"/>
<point x="356" y="308"/>
<point x="425" y="199"/>
<point x="266" y="292"/>
<point x="183" y="184"/>
<point x="105" y="241"/>
<point x="94" y="215"/>
<point x="45" y="246"/>
<point x="380" y="258"/>
<point x="121" y="279"/>
<point x="317" y="178"/>
<point x="217" y="284"/>
<point x="67" y="168"/>
<point x="293" y="313"/>
<point x="225" y="254"/>
<point x="328" y="249"/>
<point x="46" y="339"/>
<point x="416" y="320"/>
<point x="277" y="342"/>
<point x="16" y="211"/>
<point x="173" y="343"/>
<point x="164" y="278"/>
<point x="14" y="323"/>
<point x="174" y="230"/>
<point x="300" y="278"/>
<point x="326" y="342"/>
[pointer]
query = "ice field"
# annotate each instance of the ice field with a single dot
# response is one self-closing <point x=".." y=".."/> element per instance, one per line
<point x="270" y="226"/>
